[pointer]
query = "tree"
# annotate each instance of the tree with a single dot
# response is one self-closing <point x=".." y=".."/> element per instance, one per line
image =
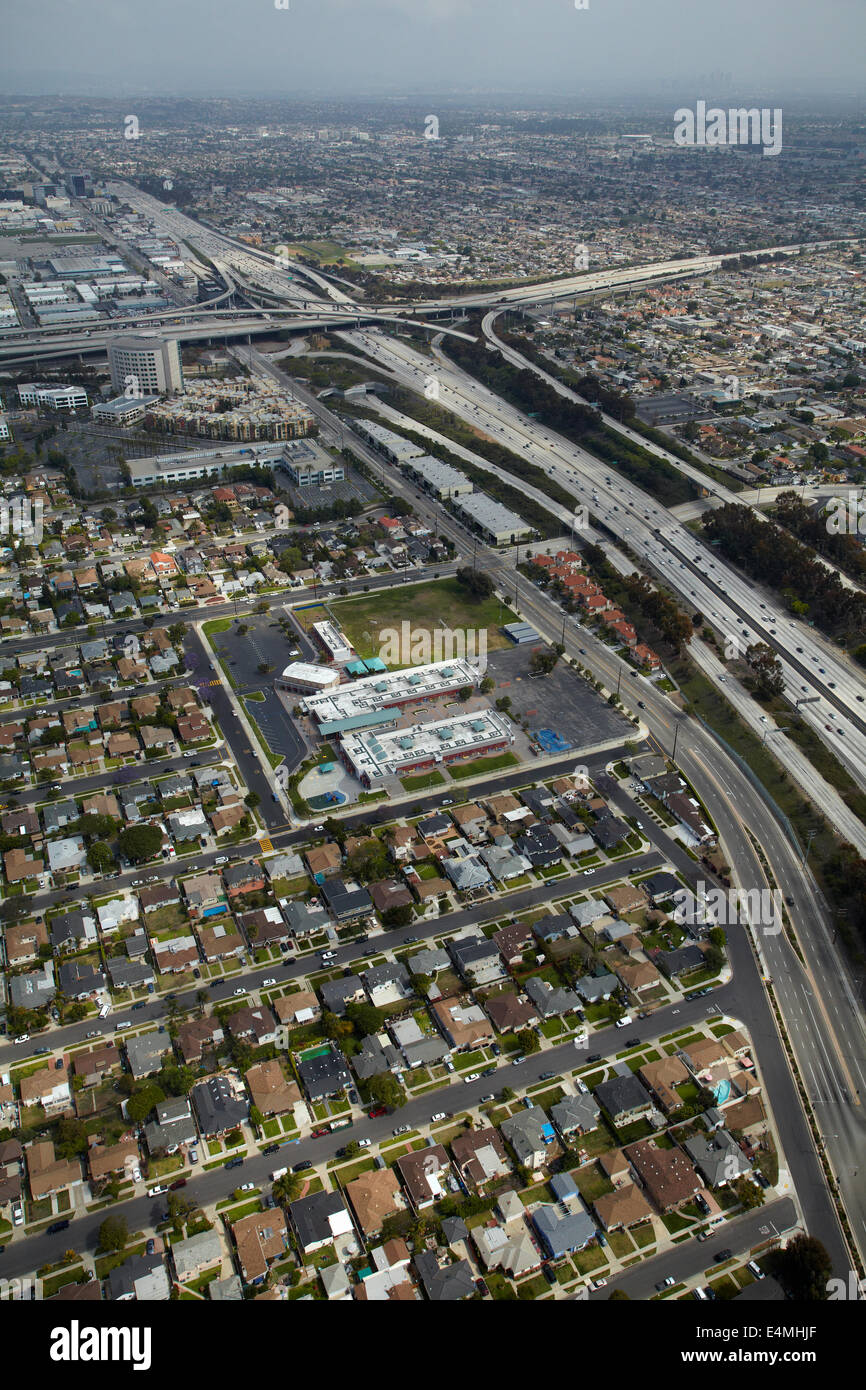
<point x="287" y="1188"/>
<point x="527" y="1040"/>
<point x="113" y="1233"/>
<point x="748" y="1193"/>
<point x="140" y="1104"/>
<point x="252" y="799"/>
<point x="803" y="1269"/>
<point x="487" y="685"/>
<point x="477" y="584"/>
<point x="140" y="842"/>
<point x="366" y="1018"/>
<point x="398" y="916"/>
<point x="386" y="1090"/>
<point x="99" y="857"/>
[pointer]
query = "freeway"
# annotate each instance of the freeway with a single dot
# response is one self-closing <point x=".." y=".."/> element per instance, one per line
<point x="632" y="516"/>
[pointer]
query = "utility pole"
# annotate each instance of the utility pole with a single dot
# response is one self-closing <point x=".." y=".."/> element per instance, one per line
<point x="676" y="736"/>
<point x="812" y="834"/>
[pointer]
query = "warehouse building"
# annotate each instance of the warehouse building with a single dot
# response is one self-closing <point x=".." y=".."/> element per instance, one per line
<point x="437" y="477"/>
<point x="495" y="522"/>
<point x="367" y="701"/>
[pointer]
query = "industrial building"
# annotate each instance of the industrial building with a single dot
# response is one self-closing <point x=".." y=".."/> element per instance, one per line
<point x="375" y="755"/>
<point x="374" y="699"/>
<point x="150" y="363"/>
<point x="393" y="446"/>
<point x="121" y="411"/>
<point x="437" y="477"/>
<point x="495" y="522"/>
<point x="182" y="467"/>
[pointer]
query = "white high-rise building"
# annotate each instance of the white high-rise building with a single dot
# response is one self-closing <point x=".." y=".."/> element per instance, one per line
<point x="143" y="364"/>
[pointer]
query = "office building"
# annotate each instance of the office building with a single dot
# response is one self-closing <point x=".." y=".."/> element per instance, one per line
<point x="149" y="364"/>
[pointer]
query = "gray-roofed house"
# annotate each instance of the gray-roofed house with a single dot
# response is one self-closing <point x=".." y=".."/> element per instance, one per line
<point x="146" y="1051"/>
<point x="219" y="1106"/>
<point x="594" y="988"/>
<point x="575" y="1115"/>
<point x="446" y="1283"/>
<point x="387" y="984"/>
<point x="718" y="1157"/>
<point x="33" y="990"/>
<point x="586" y="913"/>
<point x="141" y="1277"/>
<point x="70" y="930"/>
<point x="477" y="960"/>
<point x="429" y="962"/>
<point x="336" y="994"/>
<point x="324" y="1075"/>
<point x="377" y="1054"/>
<point x="551" y="1001"/>
<point x="562" y="1232"/>
<point x="78" y="979"/>
<point x="625" y="1098"/>
<point x="304" y="919"/>
<point x="319" y="1219"/>
<point x="191" y="1257"/>
<point x="173" y="1126"/>
<point x="129" y="974"/>
<point x="531" y="1136"/>
<point x="467" y="873"/>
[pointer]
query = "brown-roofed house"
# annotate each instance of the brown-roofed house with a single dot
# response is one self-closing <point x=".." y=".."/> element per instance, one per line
<point x="115" y="1158"/>
<point x="638" y="975"/>
<point x="270" y="1089"/>
<point x="624" y="897"/>
<point x="509" y="1011"/>
<point x="625" y="1207"/>
<point x="668" y="1176"/>
<point x="513" y="940"/>
<point x="47" y="1173"/>
<point x="220" y="941"/>
<point x="20" y="865"/>
<point x="324" y="860"/>
<point x="94" y="1065"/>
<point x="200" y="1036"/>
<point x="301" y="1007"/>
<point x="389" y="893"/>
<point x="661" y="1077"/>
<point x="480" y="1156"/>
<point x="259" y="1239"/>
<point x="425" y="1174"/>
<point x="374" y="1196"/>
<point x="23" y="942"/>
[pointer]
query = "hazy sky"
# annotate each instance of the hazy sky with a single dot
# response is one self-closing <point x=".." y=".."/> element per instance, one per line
<point x="343" y="47"/>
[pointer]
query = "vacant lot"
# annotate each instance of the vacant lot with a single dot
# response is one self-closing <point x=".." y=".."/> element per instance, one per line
<point x="428" y="608"/>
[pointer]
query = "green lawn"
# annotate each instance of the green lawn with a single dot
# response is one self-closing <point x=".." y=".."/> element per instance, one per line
<point x="422" y="782"/>
<point x="424" y="606"/>
<point x="480" y="766"/>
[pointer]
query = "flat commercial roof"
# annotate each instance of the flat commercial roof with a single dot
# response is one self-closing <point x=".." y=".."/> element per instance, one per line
<point x="376" y="755"/>
<point x="390" y="688"/>
<point x="491" y="515"/>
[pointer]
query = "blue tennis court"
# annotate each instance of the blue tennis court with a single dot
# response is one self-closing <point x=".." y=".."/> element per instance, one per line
<point x="551" y="741"/>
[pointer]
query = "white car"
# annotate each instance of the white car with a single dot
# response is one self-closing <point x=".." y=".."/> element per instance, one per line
<point x="157" y="1191"/>
<point x="17" y="1214"/>
<point x="269" y="981"/>
<point x="239" y="991"/>
<point x="22" y="1038"/>
<point x="364" y="1143"/>
<point x="247" y="1187"/>
<point x="473" y="1076"/>
<point x="136" y="1175"/>
<point x="440" y="1115"/>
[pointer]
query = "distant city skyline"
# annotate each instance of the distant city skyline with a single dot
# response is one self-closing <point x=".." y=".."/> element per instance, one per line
<point x="345" y="48"/>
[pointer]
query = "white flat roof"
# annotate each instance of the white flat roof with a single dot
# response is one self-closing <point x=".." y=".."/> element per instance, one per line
<point x="376" y="754"/>
<point x="390" y="687"/>
<point x="306" y="671"/>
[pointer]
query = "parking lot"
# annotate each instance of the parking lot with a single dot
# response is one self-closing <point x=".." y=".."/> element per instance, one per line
<point x="562" y="701"/>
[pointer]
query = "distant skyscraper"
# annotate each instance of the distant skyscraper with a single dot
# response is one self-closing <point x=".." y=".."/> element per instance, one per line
<point x="143" y="364"/>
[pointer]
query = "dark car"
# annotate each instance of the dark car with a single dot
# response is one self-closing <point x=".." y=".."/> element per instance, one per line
<point x="181" y="1182"/>
<point x="302" y="1166"/>
<point x="760" y="1179"/>
<point x="56" y="1227"/>
<point x="632" y="1042"/>
<point x="271" y="1149"/>
<point x="150" y="1247"/>
<point x="481" y="1286"/>
<point x="543" y="1076"/>
<point x="140" y="1005"/>
<point x="549" y="1274"/>
<point x="721" y="1255"/>
<point x="594" y="1057"/>
<point x="235" y="1163"/>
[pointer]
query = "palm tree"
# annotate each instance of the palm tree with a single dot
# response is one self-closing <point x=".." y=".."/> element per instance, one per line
<point x="287" y="1188"/>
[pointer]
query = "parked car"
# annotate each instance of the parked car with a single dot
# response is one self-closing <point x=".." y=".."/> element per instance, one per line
<point x="157" y="1191"/>
<point x="473" y="1076"/>
<point x="401" y="1129"/>
<point x="594" y="1057"/>
<point x="440" y="1115"/>
<point x="546" y="1075"/>
<point x="193" y="1155"/>
<point x="180" y="1182"/>
<point x="364" y="1143"/>
<point x="238" y="991"/>
<point x="721" y="1255"/>
<point x="665" y="1283"/>
<point x="268" y="981"/>
<point x="247" y="1187"/>
<point x="150" y="1247"/>
<point x="377" y="1111"/>
<point x="320" y="1133"/>
<point x="632" y="1042"/>
<point x="235" y="1163"/>
<point x="271" y="1149"/>
<point x="302" y="1167"/>
<point x="754" y="1268"/>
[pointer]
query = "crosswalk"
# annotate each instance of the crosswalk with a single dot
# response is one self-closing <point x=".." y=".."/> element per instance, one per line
<point x="265" y="846"/>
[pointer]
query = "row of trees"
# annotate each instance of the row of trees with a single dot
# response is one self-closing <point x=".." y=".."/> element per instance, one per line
<point x="767" y="552"/>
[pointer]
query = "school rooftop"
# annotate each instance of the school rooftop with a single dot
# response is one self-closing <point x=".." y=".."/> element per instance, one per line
<point x="367" y="700"/>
